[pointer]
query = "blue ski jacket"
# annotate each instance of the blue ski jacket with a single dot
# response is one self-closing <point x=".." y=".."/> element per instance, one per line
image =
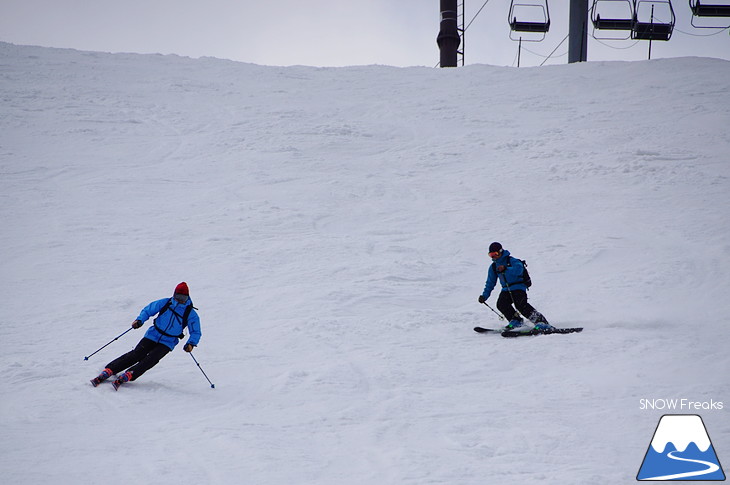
<point x="511" y="277"/>
<point x="168" y="326"/>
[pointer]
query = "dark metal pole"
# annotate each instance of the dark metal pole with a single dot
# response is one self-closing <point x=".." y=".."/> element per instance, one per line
<point x="448" y="39"/>
<point x="652" y="29"/>
<point x="112" y="340"/>
<point x="462" y="30"/>
<point x="578" y="32"/>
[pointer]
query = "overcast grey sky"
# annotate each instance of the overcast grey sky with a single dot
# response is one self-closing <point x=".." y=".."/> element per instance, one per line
<point x="319" y="32"/>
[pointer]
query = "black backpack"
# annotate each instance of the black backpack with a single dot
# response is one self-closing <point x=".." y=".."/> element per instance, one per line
<point x="185" y="315"/>
<point x="526" y="280"/>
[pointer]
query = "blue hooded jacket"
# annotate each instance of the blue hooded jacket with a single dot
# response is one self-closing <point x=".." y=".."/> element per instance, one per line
<point x="512" y="275"/>
<point x="170" y="322"/>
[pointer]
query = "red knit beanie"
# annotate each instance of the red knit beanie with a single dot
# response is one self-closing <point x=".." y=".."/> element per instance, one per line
<point x="182" y="289"/>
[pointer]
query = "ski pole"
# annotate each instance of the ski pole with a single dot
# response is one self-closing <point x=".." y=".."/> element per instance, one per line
<point x="115" y="338"/>
<point x="509" y="290"/>
<point x="212" y="386"/>
<point x="500" y="316"/>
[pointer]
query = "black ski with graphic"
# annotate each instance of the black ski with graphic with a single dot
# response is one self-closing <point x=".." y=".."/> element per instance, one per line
<point x="530" y="333"/>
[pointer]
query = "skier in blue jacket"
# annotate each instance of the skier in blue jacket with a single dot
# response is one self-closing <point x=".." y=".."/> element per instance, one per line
<point x="160" y="339"/>
<point x="509" y="272"/>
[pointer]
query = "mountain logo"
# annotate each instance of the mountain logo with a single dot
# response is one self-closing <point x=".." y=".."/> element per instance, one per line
<point x="681" y="450"/>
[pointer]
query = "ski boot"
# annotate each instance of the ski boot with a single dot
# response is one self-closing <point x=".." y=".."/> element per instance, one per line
<point x="540" y="323"/>
<point x="126" y="377"/>
<point x="515" y="326"/>
<point x="544" y="327"/>
<point x="105" y="374"/>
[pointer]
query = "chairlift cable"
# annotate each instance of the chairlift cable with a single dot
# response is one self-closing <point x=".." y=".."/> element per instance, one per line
<point x="614" y="47"/>
<point x="535" y="53"/>
<point x="720" y="31"/>
<point x="543" y="55"/>
<point x="515" y="59"/>
<point x="475" y="15"/>
<point x="556" y="48"/>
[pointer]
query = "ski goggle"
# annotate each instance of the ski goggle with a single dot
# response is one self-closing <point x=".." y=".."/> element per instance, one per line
<point x="494" y="254"/>
<point x="180" y="297"/>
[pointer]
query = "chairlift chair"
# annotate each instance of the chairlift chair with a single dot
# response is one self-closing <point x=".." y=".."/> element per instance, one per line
<point x="709" y="8"/>
<point x="613" y="21"/>
<point x="657" y="28"/>
<point x="540" y="25"/>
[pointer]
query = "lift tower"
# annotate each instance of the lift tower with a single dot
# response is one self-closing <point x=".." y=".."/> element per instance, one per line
<point x="448" y="39"/>
<point x="578" y="31"/>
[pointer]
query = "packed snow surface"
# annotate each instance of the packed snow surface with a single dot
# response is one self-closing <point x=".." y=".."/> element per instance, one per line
<point x="333" y="225"/>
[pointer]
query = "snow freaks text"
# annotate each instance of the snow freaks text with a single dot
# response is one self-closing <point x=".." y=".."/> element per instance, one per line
<point x="680" y="405"/>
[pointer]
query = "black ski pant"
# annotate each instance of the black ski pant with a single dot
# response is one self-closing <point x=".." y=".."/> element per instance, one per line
<point x="504" y="305"/>
<point x="145" y="356"/>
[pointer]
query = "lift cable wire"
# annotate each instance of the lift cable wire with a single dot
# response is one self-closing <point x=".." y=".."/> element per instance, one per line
<point x="476" y="15"/>
<point x="556" y="48"/>
<point x="551" y="56"/>
<point x="514" y="61"/>
<point x="544" y="56"/>
<point x="614" y="47"/>
<point x="719" y="31"/>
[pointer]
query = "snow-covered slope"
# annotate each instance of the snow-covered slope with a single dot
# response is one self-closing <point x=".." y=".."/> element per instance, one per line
<point x="332" y="225"/>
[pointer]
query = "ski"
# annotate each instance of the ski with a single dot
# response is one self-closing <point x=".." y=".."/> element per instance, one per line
<point x="515" y="333"/>
<point x="512" y="333"/>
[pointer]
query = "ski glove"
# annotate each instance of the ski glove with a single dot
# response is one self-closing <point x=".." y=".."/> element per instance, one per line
<point x="188" y="347"/>
<point x="482" y="299"/>
<point x="136" y="324"/>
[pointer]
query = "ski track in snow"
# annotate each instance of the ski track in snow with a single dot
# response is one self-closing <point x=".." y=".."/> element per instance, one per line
<point x="332" y="225"/>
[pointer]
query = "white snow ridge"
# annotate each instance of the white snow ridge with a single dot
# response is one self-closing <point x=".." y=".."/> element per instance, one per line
<point x="332" y="225"/>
